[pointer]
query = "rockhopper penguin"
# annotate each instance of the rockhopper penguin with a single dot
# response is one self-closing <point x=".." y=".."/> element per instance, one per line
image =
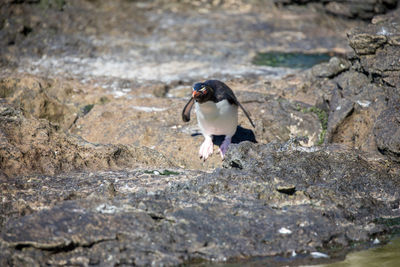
<point x="217" y="114"/>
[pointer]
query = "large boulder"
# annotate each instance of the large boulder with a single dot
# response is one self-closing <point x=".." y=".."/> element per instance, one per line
<point x="387" y="133"/>
<point x="364" y="98"/>
<point x="43" y="98"/>
<point x="36" y="146"/>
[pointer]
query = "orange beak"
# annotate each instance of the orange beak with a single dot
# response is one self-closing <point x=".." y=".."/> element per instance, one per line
<point x="195" y="94"/>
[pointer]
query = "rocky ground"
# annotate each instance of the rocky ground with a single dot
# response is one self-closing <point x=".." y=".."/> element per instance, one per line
<point x="97" y="167"/>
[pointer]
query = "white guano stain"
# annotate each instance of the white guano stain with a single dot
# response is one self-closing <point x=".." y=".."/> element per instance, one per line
<point x="364" y="103"/>
<point x="106" y="209"/>
<point x="284" y="231"/>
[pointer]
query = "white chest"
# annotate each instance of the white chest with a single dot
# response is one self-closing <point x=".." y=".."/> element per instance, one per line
<point x="217" y="118"/>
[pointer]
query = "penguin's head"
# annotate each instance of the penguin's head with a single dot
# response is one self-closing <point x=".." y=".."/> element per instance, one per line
<point x="202" y="92"/>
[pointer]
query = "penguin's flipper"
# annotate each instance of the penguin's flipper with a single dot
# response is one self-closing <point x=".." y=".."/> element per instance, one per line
<point x="245" y="112"/>
<point x="187" y="109"/>
<point x="233" y="100"/>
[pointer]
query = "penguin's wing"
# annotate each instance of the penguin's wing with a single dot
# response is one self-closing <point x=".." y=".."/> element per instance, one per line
<point x="245" y="112"/>
<point x="233" y="100"/>
<point x="186" y="110"/>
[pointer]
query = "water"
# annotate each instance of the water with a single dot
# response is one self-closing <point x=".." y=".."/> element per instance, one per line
<point x="290" y="59"/>
<point x="387" y="255"/>
<point x="380" y="256"/>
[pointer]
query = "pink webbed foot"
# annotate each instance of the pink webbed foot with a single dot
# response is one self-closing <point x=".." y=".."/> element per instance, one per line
<point x="206" y="149"/>
<point x="224" y="146"/>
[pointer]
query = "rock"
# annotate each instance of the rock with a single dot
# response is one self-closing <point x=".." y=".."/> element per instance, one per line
<point x="332" y="68"/>
<point x="362" y="10"/>
<point x="189" y="216"/>
<point x="341" y="108"/>
<point x="366" y="40"/>
<point x="59" y="102"/>
<point x="351" y="83"/>
<point x="387" y="133"/>
<point x="383" y="63"/>
<point x="365" y="44"/>
<point x="366" y="90"/>
<point x="279" y="119"/>
<point x="36" y="146"/>
<point x="348" y="8"/>
<point x="160" y="90"/>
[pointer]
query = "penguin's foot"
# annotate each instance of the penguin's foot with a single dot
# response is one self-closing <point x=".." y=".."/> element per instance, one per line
<point x="224" y="146"/>
<point x="206" y="149"/>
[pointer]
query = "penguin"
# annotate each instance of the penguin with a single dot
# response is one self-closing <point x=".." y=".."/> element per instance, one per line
<point x="217" y="114"/>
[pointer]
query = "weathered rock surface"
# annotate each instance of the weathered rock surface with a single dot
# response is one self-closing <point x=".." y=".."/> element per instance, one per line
<point x="142" y="219"/>
<point x="332" y="68"/>
<point x="358" y="96"/>
<point x="387" y="133"/>
<point x="58" y="101"/>
<point x="36" y="146"/>
<point x="281" y="119"/>
<point x="372" y="86"/>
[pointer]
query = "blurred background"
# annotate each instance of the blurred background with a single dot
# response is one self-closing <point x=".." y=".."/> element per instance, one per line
<point x="117" y="43"/>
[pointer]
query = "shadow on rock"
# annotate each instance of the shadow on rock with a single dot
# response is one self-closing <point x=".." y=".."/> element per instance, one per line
<point x="242" y="134"/>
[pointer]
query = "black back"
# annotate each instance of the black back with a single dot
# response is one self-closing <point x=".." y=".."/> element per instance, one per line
<point x="221" y="92"/>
